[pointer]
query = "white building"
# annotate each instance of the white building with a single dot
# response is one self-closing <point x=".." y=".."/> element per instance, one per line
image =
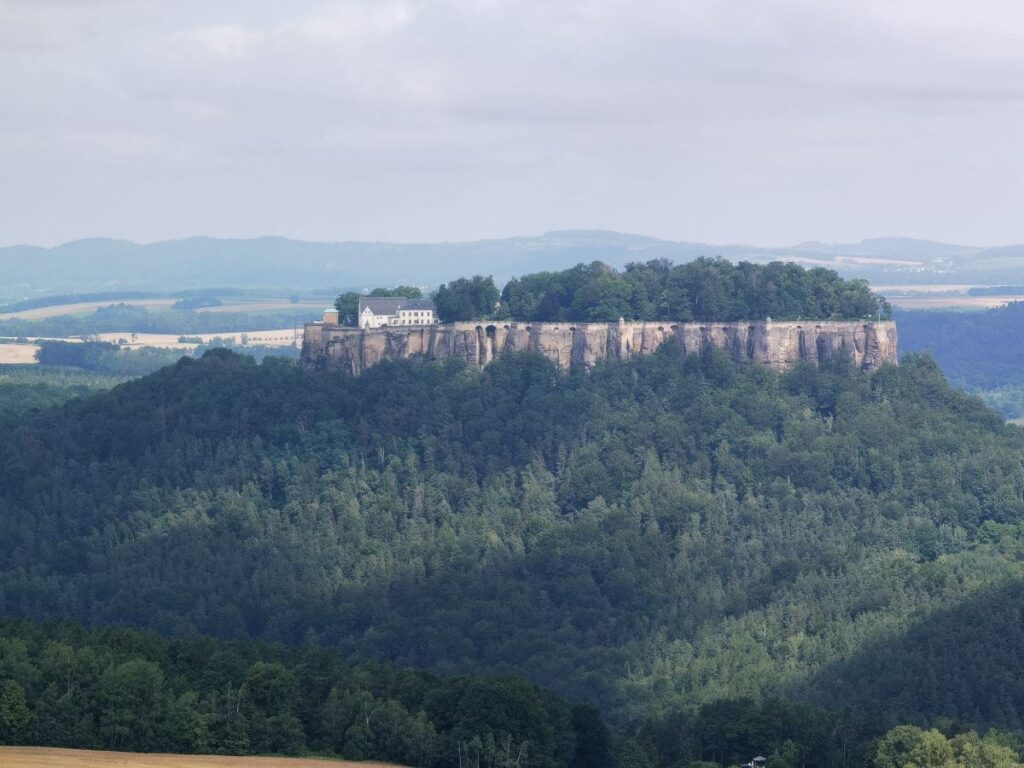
<point x="375" y="311"/>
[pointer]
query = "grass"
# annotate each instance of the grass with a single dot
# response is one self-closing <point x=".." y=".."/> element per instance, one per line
<point x="47" y="757"/>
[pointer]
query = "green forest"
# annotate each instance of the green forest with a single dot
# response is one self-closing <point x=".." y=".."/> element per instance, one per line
<point x="124" y="690"/>
<point x="977" y="350"/>
<point x="703" y="289"/>
<point x="672" y="562"/>
<point x="651" y="539"/>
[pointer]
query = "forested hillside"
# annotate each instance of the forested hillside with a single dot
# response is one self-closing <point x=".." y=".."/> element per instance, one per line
<point x="653" y="536"/>
<point x="980" y="351"/>
<point x="977" y="349"/>
<point x="124" y="690"/>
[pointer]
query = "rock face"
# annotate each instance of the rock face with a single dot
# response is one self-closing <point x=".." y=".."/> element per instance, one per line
<point x="582" y="345"/>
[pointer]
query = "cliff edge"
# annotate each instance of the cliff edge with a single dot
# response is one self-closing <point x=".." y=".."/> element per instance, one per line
<point x="582" y="345"/>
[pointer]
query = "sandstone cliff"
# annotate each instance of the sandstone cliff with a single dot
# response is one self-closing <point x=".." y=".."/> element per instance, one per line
<point x="581" y="345"/>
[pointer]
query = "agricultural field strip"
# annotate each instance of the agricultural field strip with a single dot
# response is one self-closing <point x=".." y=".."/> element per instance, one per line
<point x="44" y="757"/>
<point x="85" y="307"/>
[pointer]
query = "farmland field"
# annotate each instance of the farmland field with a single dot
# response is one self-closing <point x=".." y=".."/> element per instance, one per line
<point x="956" y="301"/>
<point x="44" y="757"/>
<point x="82" y="308"/>
<point x="18" y="354"/>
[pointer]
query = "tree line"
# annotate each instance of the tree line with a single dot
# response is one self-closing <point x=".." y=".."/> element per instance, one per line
<point x="119" y="689"/>
<point x="701" y="290"/>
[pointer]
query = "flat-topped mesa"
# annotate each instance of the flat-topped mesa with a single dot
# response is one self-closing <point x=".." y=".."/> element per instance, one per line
<point x="582" y="345"/>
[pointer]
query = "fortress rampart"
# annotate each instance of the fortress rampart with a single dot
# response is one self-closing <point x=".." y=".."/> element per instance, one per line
<point x="582" y="345"/>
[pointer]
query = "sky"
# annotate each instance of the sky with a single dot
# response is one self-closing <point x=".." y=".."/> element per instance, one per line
<point x="765" y="122"/>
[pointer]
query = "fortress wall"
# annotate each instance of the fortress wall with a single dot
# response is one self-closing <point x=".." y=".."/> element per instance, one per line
<point x="582" y="345"/>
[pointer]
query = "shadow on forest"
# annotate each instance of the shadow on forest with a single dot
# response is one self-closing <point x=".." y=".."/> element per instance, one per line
<point x="965" y="663"/>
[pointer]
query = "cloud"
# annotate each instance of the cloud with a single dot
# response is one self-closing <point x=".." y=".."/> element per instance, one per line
<point x="698" y="119"/>
<point x="354" y="21"/>
<point x="226" y="41"/>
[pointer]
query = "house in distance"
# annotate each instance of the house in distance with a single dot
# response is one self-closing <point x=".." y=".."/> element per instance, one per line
<point x="378" y="311"/>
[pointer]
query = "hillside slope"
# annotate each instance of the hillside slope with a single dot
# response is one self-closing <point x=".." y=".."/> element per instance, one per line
<point x="659" y="533"/>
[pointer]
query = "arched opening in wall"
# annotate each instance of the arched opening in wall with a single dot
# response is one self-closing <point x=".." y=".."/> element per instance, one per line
<point x="478" y="329"/>
<point x="508" y="327"/>
<point x="572" y="329"/>
<point x="492" y="340"/>
<point x="529" y="328"/>
<point x="674" y="328"/>
<point x="661" y="329"/>
<point x="822" y="349"/>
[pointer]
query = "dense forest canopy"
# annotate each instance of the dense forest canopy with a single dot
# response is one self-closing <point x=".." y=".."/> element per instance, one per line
<point x="124" y="690"/>
<point x="704" y="289"/>
<point x="977" y="350"/>
<point x="656" y="535"/>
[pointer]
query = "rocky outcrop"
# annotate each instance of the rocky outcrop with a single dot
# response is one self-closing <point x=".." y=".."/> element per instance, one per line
<point x="582" y="345"/>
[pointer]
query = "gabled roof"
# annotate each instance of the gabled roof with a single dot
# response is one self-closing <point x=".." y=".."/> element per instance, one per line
<point x="390" y="305"/>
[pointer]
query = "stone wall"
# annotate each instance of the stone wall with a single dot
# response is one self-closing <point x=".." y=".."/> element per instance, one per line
<point x="581" y="345"/>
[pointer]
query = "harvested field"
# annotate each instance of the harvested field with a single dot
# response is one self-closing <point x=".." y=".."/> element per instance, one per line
<point x="41" y="313"/>
<point x="269" y="305"/>
<point x="18" y="354"/>
<point x="278" y="337"/>
<point x="960" y="301"/>
<point x="45" y="757"/>
<point x="905" y="289"/>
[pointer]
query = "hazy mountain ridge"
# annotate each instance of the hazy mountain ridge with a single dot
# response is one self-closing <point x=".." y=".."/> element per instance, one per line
<point x="99" y="263"/>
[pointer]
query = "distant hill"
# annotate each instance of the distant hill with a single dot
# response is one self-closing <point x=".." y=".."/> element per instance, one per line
<point x="199" y="262"/>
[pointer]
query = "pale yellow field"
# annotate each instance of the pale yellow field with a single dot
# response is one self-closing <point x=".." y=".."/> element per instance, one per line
<point x="278" y="337"/>
<point x="241" y="305"/>
<point x="267" y="305"/>
<point x="959" y="301"/>
<point x="44" y="757"/>
<point x="926" y="288"/>
<point x="18" y="354"/>
<point x="41" y="313"/>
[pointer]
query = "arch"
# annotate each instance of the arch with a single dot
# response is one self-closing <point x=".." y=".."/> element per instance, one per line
<point x="490" y="330"/>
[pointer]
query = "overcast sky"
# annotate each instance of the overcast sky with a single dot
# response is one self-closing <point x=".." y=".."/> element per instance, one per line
<point x="754" y="121"/>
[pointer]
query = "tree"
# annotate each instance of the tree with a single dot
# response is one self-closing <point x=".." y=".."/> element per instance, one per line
<point x="466" y="299"/>
<point x="14" y="712"/>
<point x="907" y="746"/>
